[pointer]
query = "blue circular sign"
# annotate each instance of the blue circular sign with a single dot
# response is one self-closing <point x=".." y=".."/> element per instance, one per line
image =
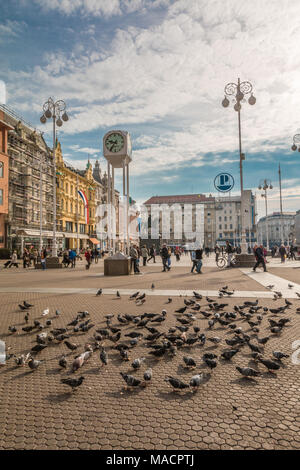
<point x="224" y="182"/>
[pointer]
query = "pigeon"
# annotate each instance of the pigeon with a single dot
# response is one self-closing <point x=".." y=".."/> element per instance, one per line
<point x="209" y="356"/>
<point x="254" y="348"/>
<point x="49" y="322"/>
<point x="211" y="363"/>
<point x="57" y="313"/>
<point x="276" y="329"/>
<point x="141" y="297"/>
<point x="121" y="319"/>
<point x="195" y="381"/>
<point x="130" y="380"/>
<point x="74" y="383"/>
<point x="22" y="307"/>
<point x="287" y="302"/>
<point x="136" y="364"/>
<point x="118" y="294"/>
<point x="45" y="312"/>
<point x="248" y="371"/>
<point x="133" y="296"/>
<point x="189" y="361"/>
<point x="148" y="375"/>
<point x="229" y="353"/>
<point x="279" y="355"/>
<point x="124" y="354"/>
<point x="71" y="346"/>
<point x="176" y="383"/>
<point x="21" y="360"/>
<point x="12" y="329"/>
<point x="26" y="318"/>
<point x="103" y="357"/>
<point x="115" y="338"/>
<point x="134" y="334"/>
<point x="27" y="329"/>
<point x="190" y="341"/>
<point x="152" y="286"/>
<point x="181" y="310"/>
<point x="33" y="363"/>
<point x="99" y="292"/>
<point x="298" y="295"/>
<point x="27" y="305"/>
<point x="169" y="300"/>
<point x="270" y="286"/>
<point x="263" y="340"/>
<point x="198" y="296"/>
<point x="63" y="362"/>
<point x="290" y="286"/>
<point x="38" y="347"/>
<point x="215" y="340"/>
<point x="279" y="294"/>
<point x="270" y="365"/>
<point x="77" y="363"/>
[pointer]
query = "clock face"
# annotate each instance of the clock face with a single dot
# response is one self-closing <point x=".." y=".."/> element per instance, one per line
<point x="114" y="142"/>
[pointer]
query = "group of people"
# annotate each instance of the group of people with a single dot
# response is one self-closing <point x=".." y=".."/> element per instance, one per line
<point x="29" y="256"/>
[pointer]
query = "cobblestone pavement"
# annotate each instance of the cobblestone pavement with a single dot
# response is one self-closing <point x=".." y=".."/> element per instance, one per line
<point x="37" y="411"/>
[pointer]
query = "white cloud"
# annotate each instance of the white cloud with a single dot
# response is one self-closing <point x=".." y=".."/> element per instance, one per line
<point x="171" y="76"/>
<point x="87" y="150"/>
<point x="2" y="92"/>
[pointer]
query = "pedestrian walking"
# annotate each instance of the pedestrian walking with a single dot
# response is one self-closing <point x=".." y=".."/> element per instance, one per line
<point x="43" y="258"/>
<point x="229" y="251"/>
<point x="96" y="255"/>
<point x="145" y="254"/>
<point x="282" y="252"/>
<point x="87" y="255"/>
<point x="72" y="258"/>
<point x="199" y="255"/>
<point x="14" y="260"/>
<point x="194" y="261"/>
<point x="217" y="252"/>
<point x="152" y="254"/>
<point x="165" y="256"/>
<point x="259" y="255"/>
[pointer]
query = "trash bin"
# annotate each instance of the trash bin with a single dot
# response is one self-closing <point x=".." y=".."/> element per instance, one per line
<point x="117" y="265"/>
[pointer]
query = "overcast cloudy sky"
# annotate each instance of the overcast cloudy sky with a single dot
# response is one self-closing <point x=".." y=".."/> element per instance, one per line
<point x="158" y="69"/>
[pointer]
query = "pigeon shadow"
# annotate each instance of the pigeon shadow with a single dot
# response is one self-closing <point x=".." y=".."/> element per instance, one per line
<point x="184" y="395"/>
<point x="60" y="397"/>
<point x="55" y="371"/>
<point x="245" y="382"/>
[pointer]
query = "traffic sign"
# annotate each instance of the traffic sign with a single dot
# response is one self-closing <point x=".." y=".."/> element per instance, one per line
<point x="224" y="182"/>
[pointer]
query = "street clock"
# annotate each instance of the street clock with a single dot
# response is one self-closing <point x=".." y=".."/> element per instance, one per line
<point x="117" y="148"/>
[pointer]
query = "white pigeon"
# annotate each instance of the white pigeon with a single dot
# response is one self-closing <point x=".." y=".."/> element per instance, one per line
<point x="45" y="312"/>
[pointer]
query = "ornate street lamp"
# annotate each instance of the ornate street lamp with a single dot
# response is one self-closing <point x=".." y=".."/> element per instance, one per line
<point x="237" y="92"/>
<point x="265" y="185"/>
<point x="56" y="111"/>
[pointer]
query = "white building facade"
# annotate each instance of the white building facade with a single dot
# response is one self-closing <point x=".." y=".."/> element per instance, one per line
<point x="272" y="224"/>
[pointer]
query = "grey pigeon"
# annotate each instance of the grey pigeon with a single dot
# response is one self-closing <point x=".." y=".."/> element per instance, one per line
<point x="248" y="371"/>
<point x="103" y="357"/>
<point x="33" y="363"/>
<point x="176" y="383"/>
<point x="195" y="381"/>
<point x="130" y="380"/>
<point x="63" y="362"/>
<point x="136" y="364"/>
<point x="189" y="361"/>
<point x="148" y="375"/>
<point x="279" y="355"/>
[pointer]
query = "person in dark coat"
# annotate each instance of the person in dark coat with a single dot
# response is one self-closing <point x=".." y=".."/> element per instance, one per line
<point x="199" y="254"/>
<point x="260" y="259"/>
<point x="165" y="255"/>
<point x="282" y="252"/>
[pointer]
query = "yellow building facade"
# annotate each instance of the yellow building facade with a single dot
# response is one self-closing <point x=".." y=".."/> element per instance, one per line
<point x="76" y="204"/>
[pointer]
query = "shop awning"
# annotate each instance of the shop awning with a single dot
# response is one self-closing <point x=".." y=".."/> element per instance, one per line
<point x="36" y="233"/>
<point x="94" y="241"/>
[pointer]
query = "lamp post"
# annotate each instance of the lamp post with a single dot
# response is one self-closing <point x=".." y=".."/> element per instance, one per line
<point x="42" y="167"/>
<point x="265" y="185"/>
<point x="238" y="92"/>
<point x="281" y="216"/>
<point x="56" y="111"/>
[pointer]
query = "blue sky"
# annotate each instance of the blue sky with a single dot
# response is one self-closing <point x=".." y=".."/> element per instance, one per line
<point x="158" y="70"/>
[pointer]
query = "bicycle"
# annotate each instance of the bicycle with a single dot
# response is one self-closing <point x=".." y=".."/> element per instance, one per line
<point x="223" y="261"/>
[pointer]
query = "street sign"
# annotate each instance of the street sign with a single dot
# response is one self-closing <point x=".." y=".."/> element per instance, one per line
<point x="224" y="182"/>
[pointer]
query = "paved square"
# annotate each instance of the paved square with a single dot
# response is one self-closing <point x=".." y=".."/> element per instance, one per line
<point x="37" y="411"/>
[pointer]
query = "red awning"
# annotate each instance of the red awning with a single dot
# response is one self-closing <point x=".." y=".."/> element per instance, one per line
<point x="94" y="241"/>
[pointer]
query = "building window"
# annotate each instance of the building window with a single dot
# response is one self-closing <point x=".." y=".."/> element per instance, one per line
<point x="220" y="218"/>
<point x="82" y="228"/>
<point x="1" y="197"/>
<point x="69" y="226"/>
<point x="220" y="235"/>
<point x="231" y="226"/>
<point x="220" y="226"/>
<point x="1" y="169"/>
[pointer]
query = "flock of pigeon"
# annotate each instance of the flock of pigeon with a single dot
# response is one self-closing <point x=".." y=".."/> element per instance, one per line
<point x="146" y="328"/>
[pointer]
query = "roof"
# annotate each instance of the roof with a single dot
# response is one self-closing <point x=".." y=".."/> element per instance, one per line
<point x="182" y="198"/>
